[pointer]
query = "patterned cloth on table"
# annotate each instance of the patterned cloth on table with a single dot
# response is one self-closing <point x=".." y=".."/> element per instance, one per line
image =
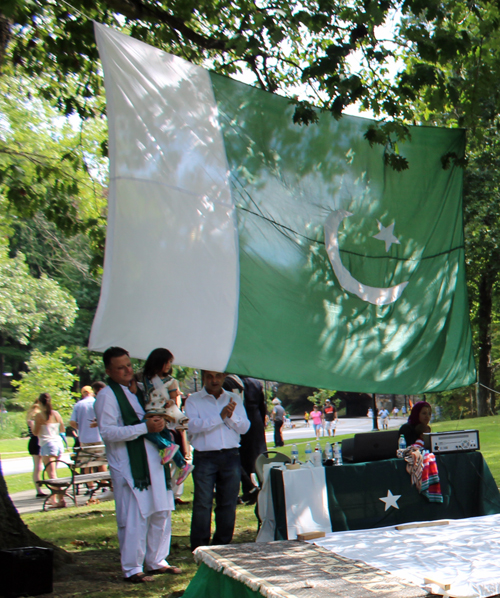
<point x="423" y="471"/>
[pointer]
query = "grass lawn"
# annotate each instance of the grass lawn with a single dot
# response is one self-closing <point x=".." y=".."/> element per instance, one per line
<point x="14" y="447"/>
<point x="89" y="533"/>
<point x="19" y="482"/>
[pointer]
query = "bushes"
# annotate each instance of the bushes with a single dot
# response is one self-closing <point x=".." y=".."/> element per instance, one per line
<point x="13" y="425"/>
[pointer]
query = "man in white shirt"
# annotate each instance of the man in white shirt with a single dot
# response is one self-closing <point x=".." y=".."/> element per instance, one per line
<point x="83" y="416"/>
<point x="83" y="420"/>
<point x="216" y="420"/>
<point x="384" y="418"/>
<point x="143" y="502"/>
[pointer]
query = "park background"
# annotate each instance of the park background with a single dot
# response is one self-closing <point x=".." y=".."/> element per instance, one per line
<point x="423" y="62"/>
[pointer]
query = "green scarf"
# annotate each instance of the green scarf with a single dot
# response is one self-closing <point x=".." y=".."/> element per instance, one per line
<point x="136" y="450"/>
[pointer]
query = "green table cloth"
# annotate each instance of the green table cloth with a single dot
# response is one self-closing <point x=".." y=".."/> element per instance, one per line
<point x="355" y="491"/>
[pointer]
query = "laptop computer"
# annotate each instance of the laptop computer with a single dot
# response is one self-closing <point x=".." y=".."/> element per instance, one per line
<point x="370" y="446"/>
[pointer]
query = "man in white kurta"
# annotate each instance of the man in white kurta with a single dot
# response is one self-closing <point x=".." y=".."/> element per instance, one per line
<point x="143" y="516"/>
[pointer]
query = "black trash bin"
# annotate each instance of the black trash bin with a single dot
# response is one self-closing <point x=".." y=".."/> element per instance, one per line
<point x="26" y="571"/>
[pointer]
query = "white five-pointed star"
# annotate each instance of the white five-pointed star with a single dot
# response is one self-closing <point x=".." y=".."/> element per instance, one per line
<point x="386" y="234"/>
<point x="391" y="500"/>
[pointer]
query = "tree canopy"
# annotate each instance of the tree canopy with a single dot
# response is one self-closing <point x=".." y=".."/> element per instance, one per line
<point x="338" y="52"/>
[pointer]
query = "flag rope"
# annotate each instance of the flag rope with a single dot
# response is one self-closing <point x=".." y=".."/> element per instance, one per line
<point x="487" y="388"/>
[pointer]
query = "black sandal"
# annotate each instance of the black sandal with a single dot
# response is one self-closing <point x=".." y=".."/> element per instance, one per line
<point x="139" y="578"/>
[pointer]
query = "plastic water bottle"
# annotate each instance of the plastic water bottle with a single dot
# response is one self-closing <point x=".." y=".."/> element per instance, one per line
<point x="295" y="453"/>
<point x="402" y="443"/>
<point x="318" y="447"/>
<point x="308" y="451"/>
<point x="337" y="453"/>
<point x="328" y="452"/>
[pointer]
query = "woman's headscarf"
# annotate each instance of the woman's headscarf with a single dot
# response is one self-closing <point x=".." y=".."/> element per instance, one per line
<point x="414" y="418"/>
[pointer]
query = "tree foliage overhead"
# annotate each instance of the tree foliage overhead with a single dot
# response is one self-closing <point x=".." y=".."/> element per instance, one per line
<point x="26" y="303"/>
<point x="336" y="48"/>
<point x="282" y="43"/>
<point x="51" y="168"/>
<point x="455" y="83"/>
<point x="48" y="372"/>
<point x="325" y="53"/>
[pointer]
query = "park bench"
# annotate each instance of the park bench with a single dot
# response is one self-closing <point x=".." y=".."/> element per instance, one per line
<point x="83" y="457"/>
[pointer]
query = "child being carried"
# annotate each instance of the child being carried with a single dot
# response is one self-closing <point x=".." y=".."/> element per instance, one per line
<point x="161" y="391"/>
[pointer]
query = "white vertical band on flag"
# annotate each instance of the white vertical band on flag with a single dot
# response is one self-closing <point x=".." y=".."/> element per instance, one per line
<point x="171" y="274"/>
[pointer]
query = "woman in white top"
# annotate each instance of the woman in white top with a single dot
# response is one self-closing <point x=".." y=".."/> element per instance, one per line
<point x="48" y="427"/>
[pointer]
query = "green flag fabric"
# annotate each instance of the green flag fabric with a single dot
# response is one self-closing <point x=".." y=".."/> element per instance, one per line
<point x="249" y="244"/>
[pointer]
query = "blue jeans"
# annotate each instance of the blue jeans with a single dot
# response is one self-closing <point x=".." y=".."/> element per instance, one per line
<point x="219" y="470"/>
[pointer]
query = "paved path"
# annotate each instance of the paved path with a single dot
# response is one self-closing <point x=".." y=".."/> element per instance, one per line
<point x="345" y="426"/>
<point x="24" y="464"/>
<point x="26" y="501"/>
<point x="352" y="425"/>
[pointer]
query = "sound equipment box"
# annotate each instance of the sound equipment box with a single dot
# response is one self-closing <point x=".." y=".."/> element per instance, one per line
<point x="460" y="441"/>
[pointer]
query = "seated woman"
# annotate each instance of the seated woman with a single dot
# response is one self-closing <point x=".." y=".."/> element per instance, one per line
<point x="420" y="416"/>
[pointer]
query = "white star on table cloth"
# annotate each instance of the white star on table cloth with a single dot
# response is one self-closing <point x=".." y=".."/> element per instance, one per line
<point x="386" y="234"/>
<point x="391" y="500"/>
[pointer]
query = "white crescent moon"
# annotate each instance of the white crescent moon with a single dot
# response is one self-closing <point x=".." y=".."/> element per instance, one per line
<point x="375" y="295"/>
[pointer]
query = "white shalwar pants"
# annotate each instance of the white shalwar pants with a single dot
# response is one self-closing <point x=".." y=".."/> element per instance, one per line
<point x="144" y="541"/>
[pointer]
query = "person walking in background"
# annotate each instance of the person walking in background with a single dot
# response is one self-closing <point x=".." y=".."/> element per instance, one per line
<point x="217" y="418"/>
<point x="48" y="427"/>
<point x="317" y="417"/>
<point x="384" y="418"/>
<point x="330" y="417"/>
<point x="306" y="419"/>
<point x="278" y="416"/>
<point x="34" y="448"/>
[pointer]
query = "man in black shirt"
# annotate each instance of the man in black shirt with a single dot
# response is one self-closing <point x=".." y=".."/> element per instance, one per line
<point x="330" y="417"/>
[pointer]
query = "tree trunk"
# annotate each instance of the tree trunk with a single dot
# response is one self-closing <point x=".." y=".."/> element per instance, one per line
<point x="484" y="323"/>
<point x="14" y="533"/>
<point x="5" y="34"/>
<point x="2" y="362"/>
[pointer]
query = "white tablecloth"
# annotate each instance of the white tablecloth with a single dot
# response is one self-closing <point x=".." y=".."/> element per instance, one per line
<point x="305" y="500"/>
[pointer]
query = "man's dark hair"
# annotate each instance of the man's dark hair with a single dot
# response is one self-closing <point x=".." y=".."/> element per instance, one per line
<point x="155" y="362"/>
<point x="111" y="353"/>
<point x="97" y="386"/>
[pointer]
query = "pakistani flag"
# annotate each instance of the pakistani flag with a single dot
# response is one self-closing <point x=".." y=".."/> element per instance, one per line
<point x="245" y="243"/>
